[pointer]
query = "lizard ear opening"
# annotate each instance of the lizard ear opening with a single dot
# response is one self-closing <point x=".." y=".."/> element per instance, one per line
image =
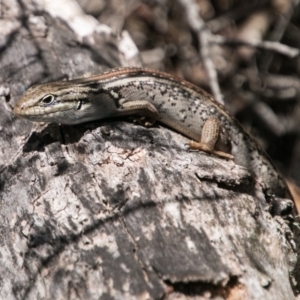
<point x="79" y="104"/>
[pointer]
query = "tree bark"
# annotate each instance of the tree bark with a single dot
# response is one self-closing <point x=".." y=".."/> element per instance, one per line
<point x="113" y="210"/>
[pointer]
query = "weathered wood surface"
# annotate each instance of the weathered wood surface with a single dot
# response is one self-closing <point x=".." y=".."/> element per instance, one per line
<point x="112" y="210"/>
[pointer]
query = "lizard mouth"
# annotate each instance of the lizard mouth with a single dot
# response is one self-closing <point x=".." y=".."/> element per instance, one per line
<point x="45" y="114"/>
<point x="22" y="110"/>
<point x="62" y="113"/>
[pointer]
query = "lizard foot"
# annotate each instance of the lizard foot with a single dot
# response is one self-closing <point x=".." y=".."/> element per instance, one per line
<point x="203" y="147"/>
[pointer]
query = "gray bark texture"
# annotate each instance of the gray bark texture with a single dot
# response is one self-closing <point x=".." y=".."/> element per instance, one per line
<point x="113" y="210"/>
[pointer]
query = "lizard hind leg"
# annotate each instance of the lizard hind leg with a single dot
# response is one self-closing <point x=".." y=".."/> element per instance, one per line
<point x="211" y="133"/>
<point x="143" y="112"/>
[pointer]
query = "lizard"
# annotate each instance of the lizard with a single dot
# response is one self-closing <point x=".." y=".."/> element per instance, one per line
<point x="158" y="96"/>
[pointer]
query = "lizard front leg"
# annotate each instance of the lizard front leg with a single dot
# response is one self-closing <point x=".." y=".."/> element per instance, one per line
<point x="147" y="112"/>
<point x="211" y="132"/>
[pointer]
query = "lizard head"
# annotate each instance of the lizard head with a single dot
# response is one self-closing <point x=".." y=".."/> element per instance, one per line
<point x="56" y="102"/>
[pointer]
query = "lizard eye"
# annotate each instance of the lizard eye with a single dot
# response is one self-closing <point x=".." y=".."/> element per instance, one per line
<point x="48" y="99"/>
